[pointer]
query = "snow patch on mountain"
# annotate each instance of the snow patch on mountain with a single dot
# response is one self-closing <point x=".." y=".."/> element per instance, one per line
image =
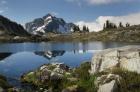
<point x="49" y="23"/>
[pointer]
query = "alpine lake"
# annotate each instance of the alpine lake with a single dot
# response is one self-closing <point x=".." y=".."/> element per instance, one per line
<point x="19" y="58"/>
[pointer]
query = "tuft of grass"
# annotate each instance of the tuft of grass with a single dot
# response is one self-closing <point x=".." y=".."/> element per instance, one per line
<point x="130" y="81"/>
<point x="87" y="85"/>
<point x="82" y="71"/>
<point x="3" y="82"/>
<point x="86" y="81"/>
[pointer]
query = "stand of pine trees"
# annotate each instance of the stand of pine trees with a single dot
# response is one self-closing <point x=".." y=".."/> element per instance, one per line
<point x="110" y="25"/>
<point x="84" y="30"/>
<point x="76" y="29"/>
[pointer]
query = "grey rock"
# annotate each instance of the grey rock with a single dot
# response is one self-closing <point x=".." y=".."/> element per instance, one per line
<point x="109" y="87"/>
<point x="56" y="76"/>
<point x="108" y="83"/>
<point x="127" y="58"/>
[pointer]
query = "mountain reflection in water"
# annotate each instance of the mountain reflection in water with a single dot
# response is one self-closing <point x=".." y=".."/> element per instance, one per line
<point x="19" y="58"/>
<point x="50" y="54"/>
<point x="15" y="64"/>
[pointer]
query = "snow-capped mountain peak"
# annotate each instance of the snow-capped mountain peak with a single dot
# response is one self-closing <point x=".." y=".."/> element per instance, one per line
<point x="49" y="23"/>
<point x="48" y="16"/>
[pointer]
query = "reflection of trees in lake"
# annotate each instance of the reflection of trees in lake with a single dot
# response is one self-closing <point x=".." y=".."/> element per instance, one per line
<point x="4" y="55"/>
<point x="80" y="47"/>
<point x="111" y="45"/>
<point x="51" y="54"/>
<point x="84" y="46"/>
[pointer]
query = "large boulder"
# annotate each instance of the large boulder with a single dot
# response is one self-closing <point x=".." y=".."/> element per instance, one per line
<point x="127" y="58"/>
<point x="108" y="83"/>
<point x="108" y="87"/>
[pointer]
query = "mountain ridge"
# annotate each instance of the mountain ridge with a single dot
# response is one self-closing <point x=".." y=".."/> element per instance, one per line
<point x="49" y="23"/>
<point x="8" y="27"/>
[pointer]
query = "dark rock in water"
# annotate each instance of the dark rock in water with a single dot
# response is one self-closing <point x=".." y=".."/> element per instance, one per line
<point x="8" y="27"/>
<point x="4" y="55"/>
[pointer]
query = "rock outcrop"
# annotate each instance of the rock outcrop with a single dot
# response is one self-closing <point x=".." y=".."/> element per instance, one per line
<point x="51" y="77"/>
<point x="127" y="58"/>
<point x="54" y="71"/>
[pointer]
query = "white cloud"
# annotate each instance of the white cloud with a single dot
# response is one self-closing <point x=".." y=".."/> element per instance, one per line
<point x="93" y="26"/>
<point x="2" y="2"/>
<point x="1" y="11"/>
<point x="97" y="25"/>
<point x="99" y="2"/>
<point x="3" y="7"/>
<point x="78" y="2"/>
<point x="54" y="13"/>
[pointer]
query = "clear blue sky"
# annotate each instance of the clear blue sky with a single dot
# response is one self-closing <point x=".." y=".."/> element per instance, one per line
<point x="24" y="11"/>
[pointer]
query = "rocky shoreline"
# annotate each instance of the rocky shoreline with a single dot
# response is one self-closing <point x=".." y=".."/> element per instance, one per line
<point x="130" y="34"/>
<point x="111" y="70"/>
<point x="21" y="39"/>
<point x="55" y="77"/>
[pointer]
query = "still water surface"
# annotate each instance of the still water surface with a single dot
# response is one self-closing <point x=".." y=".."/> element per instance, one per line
<point x="19" y="58"/>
